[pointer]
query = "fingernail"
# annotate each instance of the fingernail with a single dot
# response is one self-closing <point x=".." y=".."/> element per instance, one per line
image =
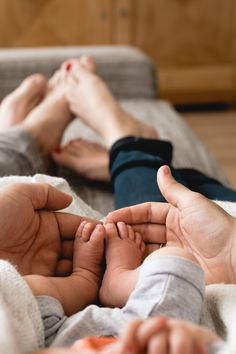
<point x="57" y="150"/>
<point x="68" y="66"/>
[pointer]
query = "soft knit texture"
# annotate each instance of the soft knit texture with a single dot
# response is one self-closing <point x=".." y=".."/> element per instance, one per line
<point x="20" y="319"/>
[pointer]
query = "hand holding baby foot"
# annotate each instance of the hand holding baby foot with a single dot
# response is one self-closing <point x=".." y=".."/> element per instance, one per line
<point x="124" y="252"/>
<point x="188" y="220"/>
<point x="79" y="289"/>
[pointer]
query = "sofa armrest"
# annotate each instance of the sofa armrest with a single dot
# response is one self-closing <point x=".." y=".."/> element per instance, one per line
<point x="128" y="72"/>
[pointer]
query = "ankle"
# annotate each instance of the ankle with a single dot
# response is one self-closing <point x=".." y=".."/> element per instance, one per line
<point x="117" y="286"/>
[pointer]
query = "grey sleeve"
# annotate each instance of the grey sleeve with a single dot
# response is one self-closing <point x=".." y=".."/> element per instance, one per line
<point x="52" y="315"/>
<point x="169" y="286"/>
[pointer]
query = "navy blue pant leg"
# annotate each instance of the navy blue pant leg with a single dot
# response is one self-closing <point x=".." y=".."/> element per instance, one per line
<point x="134" y="163"/>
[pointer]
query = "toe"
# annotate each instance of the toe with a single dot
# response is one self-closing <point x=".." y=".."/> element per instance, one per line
<point x="87" y="231"/>
<point x="131" y="234"/>
<point x="123" y="230"/>
<point x="98" y="235"/>
<point x="138" y="239"/>
<point x="79" y="231"/>
<point x="111" y="231"/>
<point x="88" y="63"/>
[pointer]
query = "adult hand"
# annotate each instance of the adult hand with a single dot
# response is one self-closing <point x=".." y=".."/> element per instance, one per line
<point x="32" y="236"/>
<point x="188" y="220"/>
<point x="164" y="335"/>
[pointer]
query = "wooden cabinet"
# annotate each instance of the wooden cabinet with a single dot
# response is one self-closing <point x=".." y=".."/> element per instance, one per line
<point x="192" y="43"/>
<point x="54" y="22"/>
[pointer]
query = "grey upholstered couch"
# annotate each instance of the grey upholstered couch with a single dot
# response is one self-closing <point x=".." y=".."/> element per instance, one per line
<point x="131" y="77"/>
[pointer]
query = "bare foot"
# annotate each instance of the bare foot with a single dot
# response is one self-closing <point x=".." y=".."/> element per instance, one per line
<point x="124" y="251"/>
<point x="90" y="99"/>
<point x="47" y="122"/>
<point x="17" y="105"/>
<point x="89" y="250"/>
<point x="80" y="289"/>
<point x="85" y="157"/>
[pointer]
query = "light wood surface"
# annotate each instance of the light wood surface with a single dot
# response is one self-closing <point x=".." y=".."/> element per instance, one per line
<point x="217" y="130"/>
<point x="193" y="46"/>
<point x="122" y="21"/>
<point x="198" y="84"/>
<point x="186" y="32"/>
<point x="54" y="22"/>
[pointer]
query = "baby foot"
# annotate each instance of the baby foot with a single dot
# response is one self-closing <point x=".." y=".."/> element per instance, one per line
<point x="18" y="104"/>
<point x="85" y="157"/>
<point x="89" y="249"/>
<point x="80" y="289"/>
<point x="85" y="280"/>
<point x="124" y="251"/>
<point x="90" y="99"/>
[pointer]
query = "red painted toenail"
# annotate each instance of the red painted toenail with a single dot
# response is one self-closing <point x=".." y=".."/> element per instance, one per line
<point x="57" y="150"/>
<point x="68" y="66"/>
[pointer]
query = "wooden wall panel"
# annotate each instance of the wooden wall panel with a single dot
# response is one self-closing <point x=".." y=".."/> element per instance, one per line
<point x="186" y="32"/>
<point x="54" y="22"/>
<point x="122" y="21"/>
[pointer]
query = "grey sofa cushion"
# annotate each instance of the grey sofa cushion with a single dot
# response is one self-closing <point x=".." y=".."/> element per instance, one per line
<point x="128" y="72"/>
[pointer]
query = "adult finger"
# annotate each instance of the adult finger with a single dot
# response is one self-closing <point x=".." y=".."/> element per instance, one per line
<point x="129" y="337"/>
<point x="180" y="341"/>
<point x="151" y="233"/>
<point x="149" y="328"/>
<point x="150" y="212"/>
<point x="43" y="196"/>
<point x="64" y="268"/>
<point x="175" y="193"/>
<point x="68" y="224"/>
<point x="158" y="344"/>
<point x="67" y="248"/>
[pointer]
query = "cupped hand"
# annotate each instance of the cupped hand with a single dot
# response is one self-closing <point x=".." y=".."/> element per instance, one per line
<point x="33" y="236"/>
<point x="188" y="220"/>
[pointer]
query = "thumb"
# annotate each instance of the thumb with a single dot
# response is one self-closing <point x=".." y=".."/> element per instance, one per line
<point x="44" y="196"/>
<point x="175" y="193"/>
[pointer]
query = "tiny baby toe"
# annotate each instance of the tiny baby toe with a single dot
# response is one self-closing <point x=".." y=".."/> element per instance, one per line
<point x="87" y="231"/>
<point x="131" y="233"/>
<point x="111" y="230"/>
<point x="79" y="231"/>
<point x="123" y="230"/>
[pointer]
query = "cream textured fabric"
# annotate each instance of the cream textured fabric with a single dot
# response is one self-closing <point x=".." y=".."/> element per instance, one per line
<point x="21" y="326"/>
